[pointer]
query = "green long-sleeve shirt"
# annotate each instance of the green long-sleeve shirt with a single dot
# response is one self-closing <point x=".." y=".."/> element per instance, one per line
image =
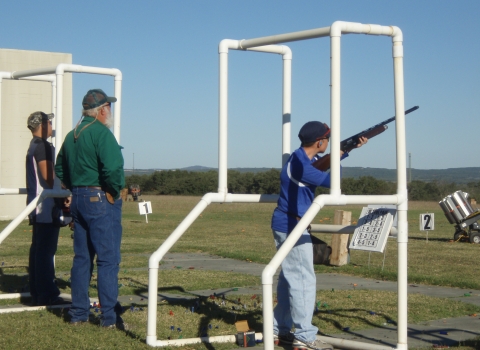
<point x="93" y="159"/>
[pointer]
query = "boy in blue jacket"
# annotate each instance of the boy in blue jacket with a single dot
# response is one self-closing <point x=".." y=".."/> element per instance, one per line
<point x="296" y="291"/>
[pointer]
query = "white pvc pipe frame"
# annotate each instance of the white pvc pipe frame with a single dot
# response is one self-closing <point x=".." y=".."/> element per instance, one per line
<point x="42" y="74"/>
<point x="8" y="75"/>
<point x="59" y="71"/>
<point x="57" y="102"/>
<point x="222" y="196"/>
<point x="334" y="198"/>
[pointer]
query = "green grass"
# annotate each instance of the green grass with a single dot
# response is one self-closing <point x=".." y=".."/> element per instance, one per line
<point x="337" y="310"/>
<point x="239" y="231"/>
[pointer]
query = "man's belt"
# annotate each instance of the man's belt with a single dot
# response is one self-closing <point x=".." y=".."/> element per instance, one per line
<point x="92" y="187"/>
<point x="110" y="198"/>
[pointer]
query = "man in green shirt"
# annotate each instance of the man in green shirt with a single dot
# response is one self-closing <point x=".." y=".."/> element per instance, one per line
<point x="90" y="165"/>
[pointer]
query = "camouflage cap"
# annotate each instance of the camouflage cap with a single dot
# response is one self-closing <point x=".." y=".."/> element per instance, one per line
<point x="36" y="118"/>
<point x="95" y="98"/>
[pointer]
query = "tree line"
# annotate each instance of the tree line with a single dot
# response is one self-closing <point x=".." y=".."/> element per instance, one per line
<point x="181" y="182"/>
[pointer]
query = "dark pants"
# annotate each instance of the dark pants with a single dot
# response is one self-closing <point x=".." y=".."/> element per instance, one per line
<point x="97" y="231"/>
<point x="41" y="267"/>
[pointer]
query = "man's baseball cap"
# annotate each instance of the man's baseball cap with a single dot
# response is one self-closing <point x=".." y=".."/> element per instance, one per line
<point x="95" y="98"/>
<point x="36" y="118"/>
<point x="313" y="131"/>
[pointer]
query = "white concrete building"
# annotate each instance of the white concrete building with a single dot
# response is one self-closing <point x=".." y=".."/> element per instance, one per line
<point x="19" y="98"/>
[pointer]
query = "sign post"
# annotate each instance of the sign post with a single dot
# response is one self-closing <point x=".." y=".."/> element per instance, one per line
<point x="145" y="208"/>
<point x="427" y="222"/>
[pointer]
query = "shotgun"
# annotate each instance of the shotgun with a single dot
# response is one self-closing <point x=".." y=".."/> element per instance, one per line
<point x="347" y="145"/>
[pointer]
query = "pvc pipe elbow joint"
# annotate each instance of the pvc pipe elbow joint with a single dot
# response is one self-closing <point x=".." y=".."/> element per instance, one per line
<point x="118" y="74"/>
<point x="267" y="275"/>
<point x="227" y="44"/>
<point x="397" y="34"/>
<point x="336" y="28"/>
<point x="339" y="27"/>
<point x="402" y="200"/>
<point x="287" y="52"/>
<point x="151" y="340"/>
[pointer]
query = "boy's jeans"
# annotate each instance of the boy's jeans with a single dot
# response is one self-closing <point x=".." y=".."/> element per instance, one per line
<point x="296" y="291"/>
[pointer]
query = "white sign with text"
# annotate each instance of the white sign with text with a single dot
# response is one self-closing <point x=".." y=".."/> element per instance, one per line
<point x="145" y="208"/>
<point x="427" y="222"/>
<point x="373" y="229"/>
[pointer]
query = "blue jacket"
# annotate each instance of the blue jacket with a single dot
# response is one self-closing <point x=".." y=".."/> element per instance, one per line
<point x="298" y="181"/>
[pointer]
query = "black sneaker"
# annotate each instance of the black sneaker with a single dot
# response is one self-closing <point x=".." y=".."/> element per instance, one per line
<point x="58" y="301"/>
<point x="283" y="338"/>
<point x="314" y="345"/>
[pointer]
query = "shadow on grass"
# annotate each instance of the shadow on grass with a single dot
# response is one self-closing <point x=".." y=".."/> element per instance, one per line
<point x="433" y="239"/>
<point x="214" y="307"/>
<point x="94" y="320"/>
<point x="324" y="315"/>
<point x="473" y="343"/>
<point x="13" y="283"/>
<point x="433" y="337"/>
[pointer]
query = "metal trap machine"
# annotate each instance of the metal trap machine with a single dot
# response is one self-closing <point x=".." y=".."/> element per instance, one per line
<point x="458" y="210"/>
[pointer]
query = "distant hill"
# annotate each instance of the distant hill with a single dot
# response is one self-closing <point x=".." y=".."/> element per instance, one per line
<point x="455" y="175"/>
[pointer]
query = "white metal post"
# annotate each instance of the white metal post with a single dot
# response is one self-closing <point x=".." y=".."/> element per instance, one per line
<point x="117" y="108"/>
<point x="223" y="115"/>
<point x="286" y="107"/>
<point x="335" y="36"/>
<point x="402" y="239"/>
<point x="59" y="116"/>
<point x="286" y="53"/>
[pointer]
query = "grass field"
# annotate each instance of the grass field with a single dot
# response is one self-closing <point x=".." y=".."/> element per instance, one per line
<point x="238" y="231"/>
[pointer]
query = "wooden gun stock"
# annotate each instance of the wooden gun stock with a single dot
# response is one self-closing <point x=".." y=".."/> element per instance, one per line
<point x="322" y="164"/>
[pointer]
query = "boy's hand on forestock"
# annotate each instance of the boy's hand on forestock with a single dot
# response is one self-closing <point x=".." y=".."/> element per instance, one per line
<point x="361" y="141"/>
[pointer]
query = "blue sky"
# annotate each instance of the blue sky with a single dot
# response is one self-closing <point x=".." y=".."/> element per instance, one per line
<point x="168" y="54"/>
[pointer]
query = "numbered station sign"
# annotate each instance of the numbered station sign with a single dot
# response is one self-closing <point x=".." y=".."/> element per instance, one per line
<point x="373" y="229"/>
<point x="427" y="222"/>
<point x="145" y="208"/>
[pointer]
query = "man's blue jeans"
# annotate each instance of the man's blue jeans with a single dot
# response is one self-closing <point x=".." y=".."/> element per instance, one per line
<point x="97" y="231"/>
<point x="296" y="290"/>
<point x="41" y="269"/>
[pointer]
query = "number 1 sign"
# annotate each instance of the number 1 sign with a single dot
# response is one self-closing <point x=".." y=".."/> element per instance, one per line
<point x="145" y="208"/>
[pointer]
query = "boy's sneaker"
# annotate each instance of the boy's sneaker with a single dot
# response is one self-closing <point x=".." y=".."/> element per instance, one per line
<point x="283" y="338"/>
<point x="314" y="345"/>
<point x="121" y="326"/>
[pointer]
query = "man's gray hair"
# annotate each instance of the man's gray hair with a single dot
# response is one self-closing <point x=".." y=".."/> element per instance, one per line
<point x="92" y="112"/>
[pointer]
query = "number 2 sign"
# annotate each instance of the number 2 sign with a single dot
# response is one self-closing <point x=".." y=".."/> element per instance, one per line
<point x="426" y="222"/>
